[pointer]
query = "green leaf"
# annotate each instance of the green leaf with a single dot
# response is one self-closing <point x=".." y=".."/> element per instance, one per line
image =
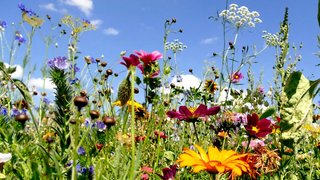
<point x="23" y="90"/>
<point x="2" y="176"/>
<point x="296" y="107"/>
<point x="270" y="111"/>
<point x="11" y="70"/>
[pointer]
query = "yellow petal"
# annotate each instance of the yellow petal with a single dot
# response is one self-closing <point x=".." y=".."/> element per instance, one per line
<point x="213" y="153"/>
<point x="220" y="168"/>
<point x="203" y="153"/>
<point x="199" y="168"/>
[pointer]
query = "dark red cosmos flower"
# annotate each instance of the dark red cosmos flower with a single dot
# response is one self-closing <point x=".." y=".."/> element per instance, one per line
<point x="258" y="128"/>
<point x="192" y="114"/>
<point x="169" y="173"/>
<point x="132" y="60"/>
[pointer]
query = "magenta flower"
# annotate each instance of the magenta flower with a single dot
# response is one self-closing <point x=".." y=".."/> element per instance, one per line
<point x="169" y="172"/>
<point x="152" y="75"/>
<point x="236" y="77"/>
<point x="132" y="60"/>
<point x="192" y="114"/>
<point x="258" y="128"/>
<point x="148" y="58"/>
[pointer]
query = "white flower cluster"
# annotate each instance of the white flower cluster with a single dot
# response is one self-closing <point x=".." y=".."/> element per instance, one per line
<point x="175" y="46"/>
<point x="271" y="39"/>
<point x="240" y="16"/>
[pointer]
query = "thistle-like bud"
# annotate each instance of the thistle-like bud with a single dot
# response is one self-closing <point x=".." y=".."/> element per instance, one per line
<point x="124" y="91"/>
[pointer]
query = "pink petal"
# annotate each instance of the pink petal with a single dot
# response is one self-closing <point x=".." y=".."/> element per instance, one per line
<point x="213" y="110"/>
<point x="201" y="110"/>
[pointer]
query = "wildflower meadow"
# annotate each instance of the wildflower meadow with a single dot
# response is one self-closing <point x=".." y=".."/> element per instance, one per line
<point x="134" y="118"/>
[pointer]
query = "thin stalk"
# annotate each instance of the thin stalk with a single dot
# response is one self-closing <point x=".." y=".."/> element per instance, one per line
<point x="132" y="70"/>
<point x="195" y="131"/>
<point x="74" y="139"/>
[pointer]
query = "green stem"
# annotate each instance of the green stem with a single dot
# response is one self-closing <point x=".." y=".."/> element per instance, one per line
<point x="132" y="70"/>
<point x="74" y="139"/>
<point x="195" y="131"/>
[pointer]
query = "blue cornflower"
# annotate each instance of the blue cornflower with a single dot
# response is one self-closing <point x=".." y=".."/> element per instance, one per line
<point x="69" y="163"/>
<point x="81" y="151"/>
<point x="3" y="111"/>
<point x="75" y="68"/>
<point x="46" y="101"/>
<point x="23" y="8"/>
<point x="14" y="112"/>
<point x="3" y="25"/>
<point x="81" y="169"/>
<point x="101" y="126"/>
<point x="73" y="81"/>
<point x="87" y="122"/>
<point x="19" y="38"/>
<point x="91" y="170"/>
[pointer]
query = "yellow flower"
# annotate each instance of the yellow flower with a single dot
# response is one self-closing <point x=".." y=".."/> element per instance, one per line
<point x="129" y="103"/>
<point x="215" y="161"/>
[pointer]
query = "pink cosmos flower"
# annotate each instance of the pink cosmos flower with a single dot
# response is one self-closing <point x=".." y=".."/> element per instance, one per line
<point x="154" y="74"/>
<point x="132" y="60"/>
<point x="253" y="143"/>
<point x="193" y="114"/>
<point x="148" y="58"/>
<point x="236" y="77"/>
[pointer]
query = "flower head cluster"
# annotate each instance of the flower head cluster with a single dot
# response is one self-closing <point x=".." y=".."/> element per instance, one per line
<point x="193" y="114"/>
<point x="169" y="172"/>
<point x="240" y="16"/>
<point x="271" y="39"/>
<point x="59" y="63"/>
<point x="215" y="161"/>
<point x="175" y="46"/>
<point x="3" y="25"/>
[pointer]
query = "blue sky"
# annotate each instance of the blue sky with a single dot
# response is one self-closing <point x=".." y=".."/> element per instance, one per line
<point x="134" y="25"/>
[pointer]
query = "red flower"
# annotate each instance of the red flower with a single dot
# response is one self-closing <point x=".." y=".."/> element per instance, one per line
<point x="161" y="134"/>
<point x="258" y="128"/>
<point x="236" y="77"/>
<point x="169" y="172"/>
<point x="148" y="58"/>
<point x="192" y="114"/>
<point x="132" y="60"/>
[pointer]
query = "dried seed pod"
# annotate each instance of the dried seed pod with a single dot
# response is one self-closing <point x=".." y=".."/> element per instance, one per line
<point x="94" y="114"/>
<point x="103" y="64"/>
<point x="109" y="72"/>
<point x="109" y="121"/>
<point x="21" y="118"/>
<point x="80" y="101"/>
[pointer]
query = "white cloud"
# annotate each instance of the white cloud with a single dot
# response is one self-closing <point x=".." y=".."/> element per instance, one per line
<point x="18" y="73"/>
<point x="186" y="81"/>
<point x="111" y="31"/>
<point x="49" y="6"/>
<point x="86" y="6"/>
<point x="96" y="22"/>
<point x="38" y="83"/>
<point x="209" y="40"/>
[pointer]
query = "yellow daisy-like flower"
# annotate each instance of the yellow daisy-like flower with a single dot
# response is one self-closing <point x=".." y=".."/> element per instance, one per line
<point x="129" y="103"/>
<point x="215" y="161"/>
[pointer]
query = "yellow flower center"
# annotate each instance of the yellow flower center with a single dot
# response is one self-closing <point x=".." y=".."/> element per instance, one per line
<point x="236" y="76"/>
<point x="192" y="109"/>
<point x="255" y="129"/>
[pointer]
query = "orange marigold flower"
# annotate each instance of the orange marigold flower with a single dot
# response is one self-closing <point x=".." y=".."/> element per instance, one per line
<point x="215" y="161"/>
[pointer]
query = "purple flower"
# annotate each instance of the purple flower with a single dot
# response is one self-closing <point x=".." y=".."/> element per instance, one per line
<point x="81" y="169"/>
<point x="3" y="111"/>
<point x="75" y="68"/>
<point x="81" y="151"/>
<point x="69" y="163"/>
<point x="19" y="38"/>
<point x="23" y="8"/>
<point x="91" y="170"/>
<point x="58" y="62"/>
<point x="46" y="101"/>
<point x="3" y="25"/>
<point x="101" y="126"/>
